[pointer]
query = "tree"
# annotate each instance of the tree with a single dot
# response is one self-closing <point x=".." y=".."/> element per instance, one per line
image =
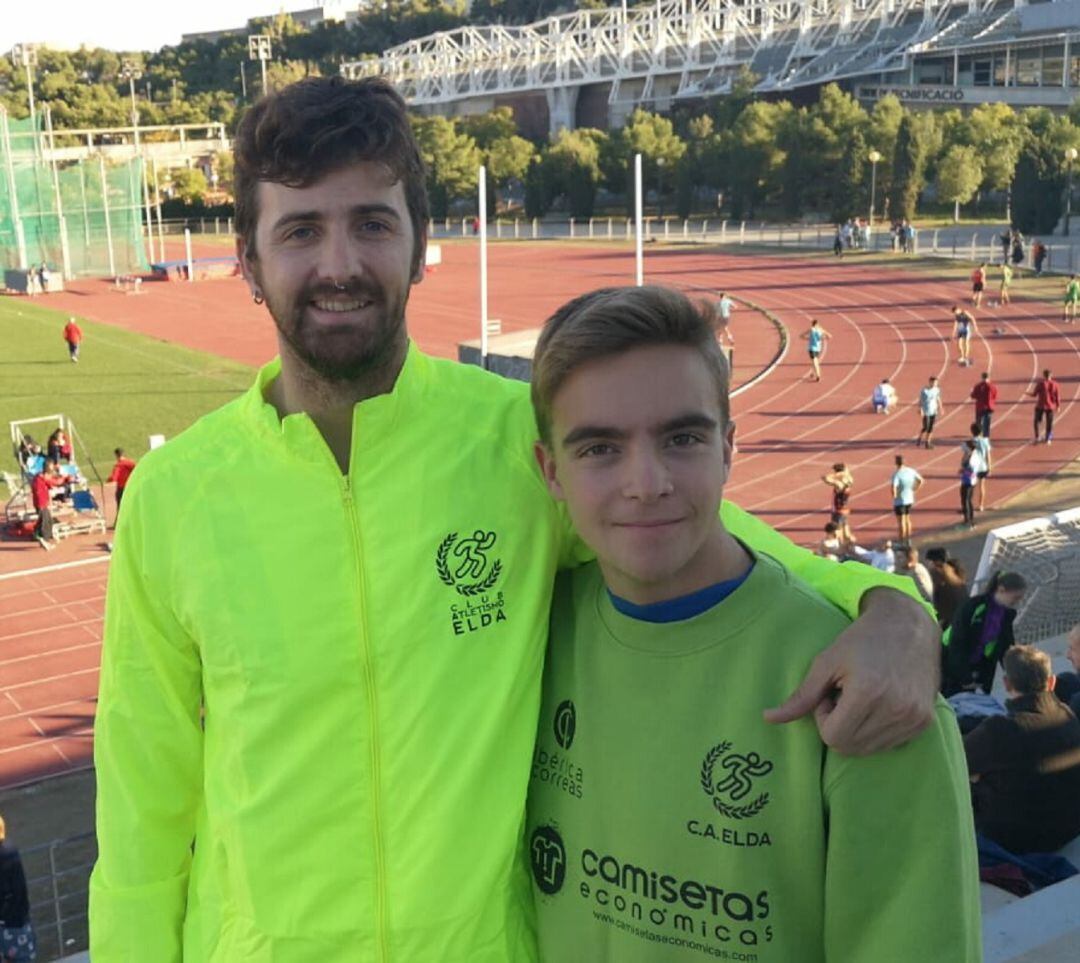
<point x="452" y="160"/>
<point x="753" y="158"/>
<point x="572" y="168"/>
<point x="507" y="159"/>
<point x="485" y="129"/>
<point x="1041" y="172"/>
<point x="909" y="164"/>
<point x="960" y="173"/>
<point x="189" y="184"/>
<point x="655" y="139"/>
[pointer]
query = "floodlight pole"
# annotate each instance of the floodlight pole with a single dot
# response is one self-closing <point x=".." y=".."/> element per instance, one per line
<point x="639" y="257"/>
<point x="874" y="157"/>
<point x="65" y="253"/>
<point x="482" y="203"/>
<point x="105" y="208"/>
<point x="129" y="70"/>
<point x="25" y="55"/>
<point x="20" y="236"/>
<point x="259" y="48"/>
<point x="1070" y="155"/>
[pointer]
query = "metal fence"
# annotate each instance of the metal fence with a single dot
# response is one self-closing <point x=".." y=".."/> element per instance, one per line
<point x="58" y="880"/>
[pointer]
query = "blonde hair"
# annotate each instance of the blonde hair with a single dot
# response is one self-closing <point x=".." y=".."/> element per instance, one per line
<point x="3" y="830"/>
<point x="611" y="321"/>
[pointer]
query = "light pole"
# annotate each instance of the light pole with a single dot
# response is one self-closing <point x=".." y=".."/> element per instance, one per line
<point x="259" y="49"/>
<point x="26" y="55"/>
<point x="1071" y="154"/>
<point x="660" y="192"/>
<point x="874" y="156"/>
<point x="130" y="72"/>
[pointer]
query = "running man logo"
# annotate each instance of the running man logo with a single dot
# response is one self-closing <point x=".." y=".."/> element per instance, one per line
<point x="565" y="724"/>
<point x="464" y="564"/>
<point x="737" y="782"/>
<point x="548" y="857"/>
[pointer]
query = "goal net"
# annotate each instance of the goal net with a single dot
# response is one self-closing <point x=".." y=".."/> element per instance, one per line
<point x="1046" y="551"/>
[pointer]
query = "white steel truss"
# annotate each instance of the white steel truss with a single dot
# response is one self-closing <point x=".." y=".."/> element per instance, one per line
<point x="702" y="43"/>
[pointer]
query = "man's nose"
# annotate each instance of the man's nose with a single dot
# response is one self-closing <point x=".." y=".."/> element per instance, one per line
<point x="339" y="260"/>
<point x="646" y="477"/>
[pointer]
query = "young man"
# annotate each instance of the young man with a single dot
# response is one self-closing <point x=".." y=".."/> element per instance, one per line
<point x="724" y="307"/>
<point x="983" y="447"/>
<point x="1072" y="299"/>
<point x="41" y="486"/>
<point x="73" y="336"/>
<point x="984" y="394"/>
<point x="883" y="397"/>
<point x="905" y="482"/>
<point x="963" y="329"/>
<point x="666" y="820"/>
<point x="1067" y="687"/>
<point x="815" y="337"/>
<point x="1006" y="281"/>
<point x="1025" y="765"/>
<point x="1047" y="400"/>
<point x="120" y="474"/>
<point x="930" y="407"/>
<point x="978" y="283"/>
<point x="312" y="740"/>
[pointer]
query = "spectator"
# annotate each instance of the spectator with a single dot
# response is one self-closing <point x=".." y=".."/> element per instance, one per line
<point x="58" y="448"/>
<point x="17" y="940"/>
<point x="73" y="336"/>
<point x="908" y="564"/>
<point x="1017" y="250"/>
<point x="43" y="277"/>
<point x="882" y="558"/>
<point x="832" y="545"/>
<point x="1047" y="401"/>
<point x="841" y="481"/>
<point x="984" y="395"/>
<point x="980" y="635"/>
<point x="838" y="244"/>
<point x="40" y="487"/>
<point x="950" y="585"/>
<point x="905" y="482"/>
<point x="1025" y="766"/>
<point x="1038" y="255"/>
<point x="28" y="448"/>
<point x="970" y="465"/>
<point x="983" y="446"/>
<point x="120" y="473"/>
<point x="1067" y="688"/>
<point x="884" y="397"/>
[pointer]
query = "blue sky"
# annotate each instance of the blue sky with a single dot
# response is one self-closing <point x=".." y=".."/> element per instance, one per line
<point x="126" y="24"/>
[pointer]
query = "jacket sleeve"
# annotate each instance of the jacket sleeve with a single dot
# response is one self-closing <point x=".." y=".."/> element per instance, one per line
<point x="902" y="877"/>
<point x="989" y="745"/>
<point x="842" y="584"/>
<point x="147" y="752"/>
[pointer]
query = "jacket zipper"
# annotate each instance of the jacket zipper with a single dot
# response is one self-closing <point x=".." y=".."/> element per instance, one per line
<point x="369" y="682"/>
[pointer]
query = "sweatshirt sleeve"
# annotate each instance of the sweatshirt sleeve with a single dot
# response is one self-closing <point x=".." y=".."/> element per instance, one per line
<point x="148" y="756"/>
<point x="842" y="584"/>
<point x="902" y="876"/>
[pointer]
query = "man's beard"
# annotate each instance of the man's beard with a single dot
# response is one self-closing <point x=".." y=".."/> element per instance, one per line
<point x="344" y="355"/>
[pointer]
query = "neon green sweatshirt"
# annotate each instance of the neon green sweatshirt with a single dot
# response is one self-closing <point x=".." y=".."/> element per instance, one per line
<point x="319" y="692"/>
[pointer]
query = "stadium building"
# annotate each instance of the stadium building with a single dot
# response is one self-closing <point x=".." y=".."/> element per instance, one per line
<point x="593" y="67"/>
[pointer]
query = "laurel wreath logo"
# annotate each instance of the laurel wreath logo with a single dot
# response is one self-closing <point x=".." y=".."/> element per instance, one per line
<point x="447" y="578"/>
<point x="725" y="809"/>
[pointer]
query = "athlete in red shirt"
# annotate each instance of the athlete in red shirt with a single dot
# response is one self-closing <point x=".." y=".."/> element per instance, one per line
<point x="40" y="485"/>
<point x="120" y="472"/>
<point x="73" y="337"/>
<point x="1047" y="401"/>
<point x="985" y="394"/>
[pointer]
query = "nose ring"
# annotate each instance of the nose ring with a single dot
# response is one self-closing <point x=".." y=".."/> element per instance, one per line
<point x="339" y="287"/>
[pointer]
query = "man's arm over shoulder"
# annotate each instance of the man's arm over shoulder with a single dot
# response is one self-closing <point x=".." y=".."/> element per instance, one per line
<point x="874" y="687"/>
<point x="902" y="879"/>
<point x="147" y="752"/>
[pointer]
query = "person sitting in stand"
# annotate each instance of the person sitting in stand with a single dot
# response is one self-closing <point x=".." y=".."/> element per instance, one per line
<point x="883" y="398"/>
<point x="28" y="449"/>
<point x="907" y="563"/>
<point x="1025" y="766"/>
<point x="58" y="448"/>
<point x="980" y="635"/>
<point x="1067" y="688"/>
<point x="832" y="546"/>
<point x="41" y="490"/>
<point x="882" y="558"/>
<point x="17" y="939"/>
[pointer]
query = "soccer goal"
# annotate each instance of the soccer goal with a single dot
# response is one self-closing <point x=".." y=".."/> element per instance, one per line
<point x="1046" y="551"/>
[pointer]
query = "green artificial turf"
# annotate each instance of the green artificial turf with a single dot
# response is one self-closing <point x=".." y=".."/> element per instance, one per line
<point x="125" y="387"/>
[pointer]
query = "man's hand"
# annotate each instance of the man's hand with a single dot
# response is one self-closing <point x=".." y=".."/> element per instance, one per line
<point x="874" y="687"/>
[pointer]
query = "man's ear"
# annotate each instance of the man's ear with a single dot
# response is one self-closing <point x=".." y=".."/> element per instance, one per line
<point x="729" y="447"/>
<point x="546" y="460"/>
<point x="247" y="268"/>
<point x="421" y="257"/>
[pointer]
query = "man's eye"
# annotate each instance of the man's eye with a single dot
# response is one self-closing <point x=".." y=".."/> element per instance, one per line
<point x="373" y="227"/>
<point x="300" y="234"/>
<point x="686" y="439"/>
<point x="595" y="450"/>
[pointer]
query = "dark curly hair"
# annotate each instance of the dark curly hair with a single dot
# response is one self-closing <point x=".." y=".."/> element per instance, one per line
<point x="297" y="135"/>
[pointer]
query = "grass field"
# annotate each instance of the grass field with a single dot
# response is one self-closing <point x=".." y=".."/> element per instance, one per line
<point x="125" y="387"/>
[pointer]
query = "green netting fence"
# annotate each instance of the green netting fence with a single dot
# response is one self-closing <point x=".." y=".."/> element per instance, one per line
<point x="82" y="218"/>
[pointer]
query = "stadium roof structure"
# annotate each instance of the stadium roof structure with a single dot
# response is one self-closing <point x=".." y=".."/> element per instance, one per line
<point x="674" y="49"/>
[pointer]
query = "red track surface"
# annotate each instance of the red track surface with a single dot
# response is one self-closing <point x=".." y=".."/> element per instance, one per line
<point x="884" y="324"/>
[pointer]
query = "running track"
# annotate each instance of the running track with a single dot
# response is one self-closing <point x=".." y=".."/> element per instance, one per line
<point x="884" y="324"/>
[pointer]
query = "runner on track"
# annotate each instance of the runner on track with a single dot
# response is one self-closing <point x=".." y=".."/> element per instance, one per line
<point x="815" y="336"/>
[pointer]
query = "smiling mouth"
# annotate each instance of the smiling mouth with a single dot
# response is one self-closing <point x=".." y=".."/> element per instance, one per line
<point x="340" y="307"/>
<point x="650" y="523"/>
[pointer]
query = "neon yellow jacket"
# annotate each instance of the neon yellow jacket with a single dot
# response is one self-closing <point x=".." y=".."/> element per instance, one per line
<point x="319" y="692"/>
